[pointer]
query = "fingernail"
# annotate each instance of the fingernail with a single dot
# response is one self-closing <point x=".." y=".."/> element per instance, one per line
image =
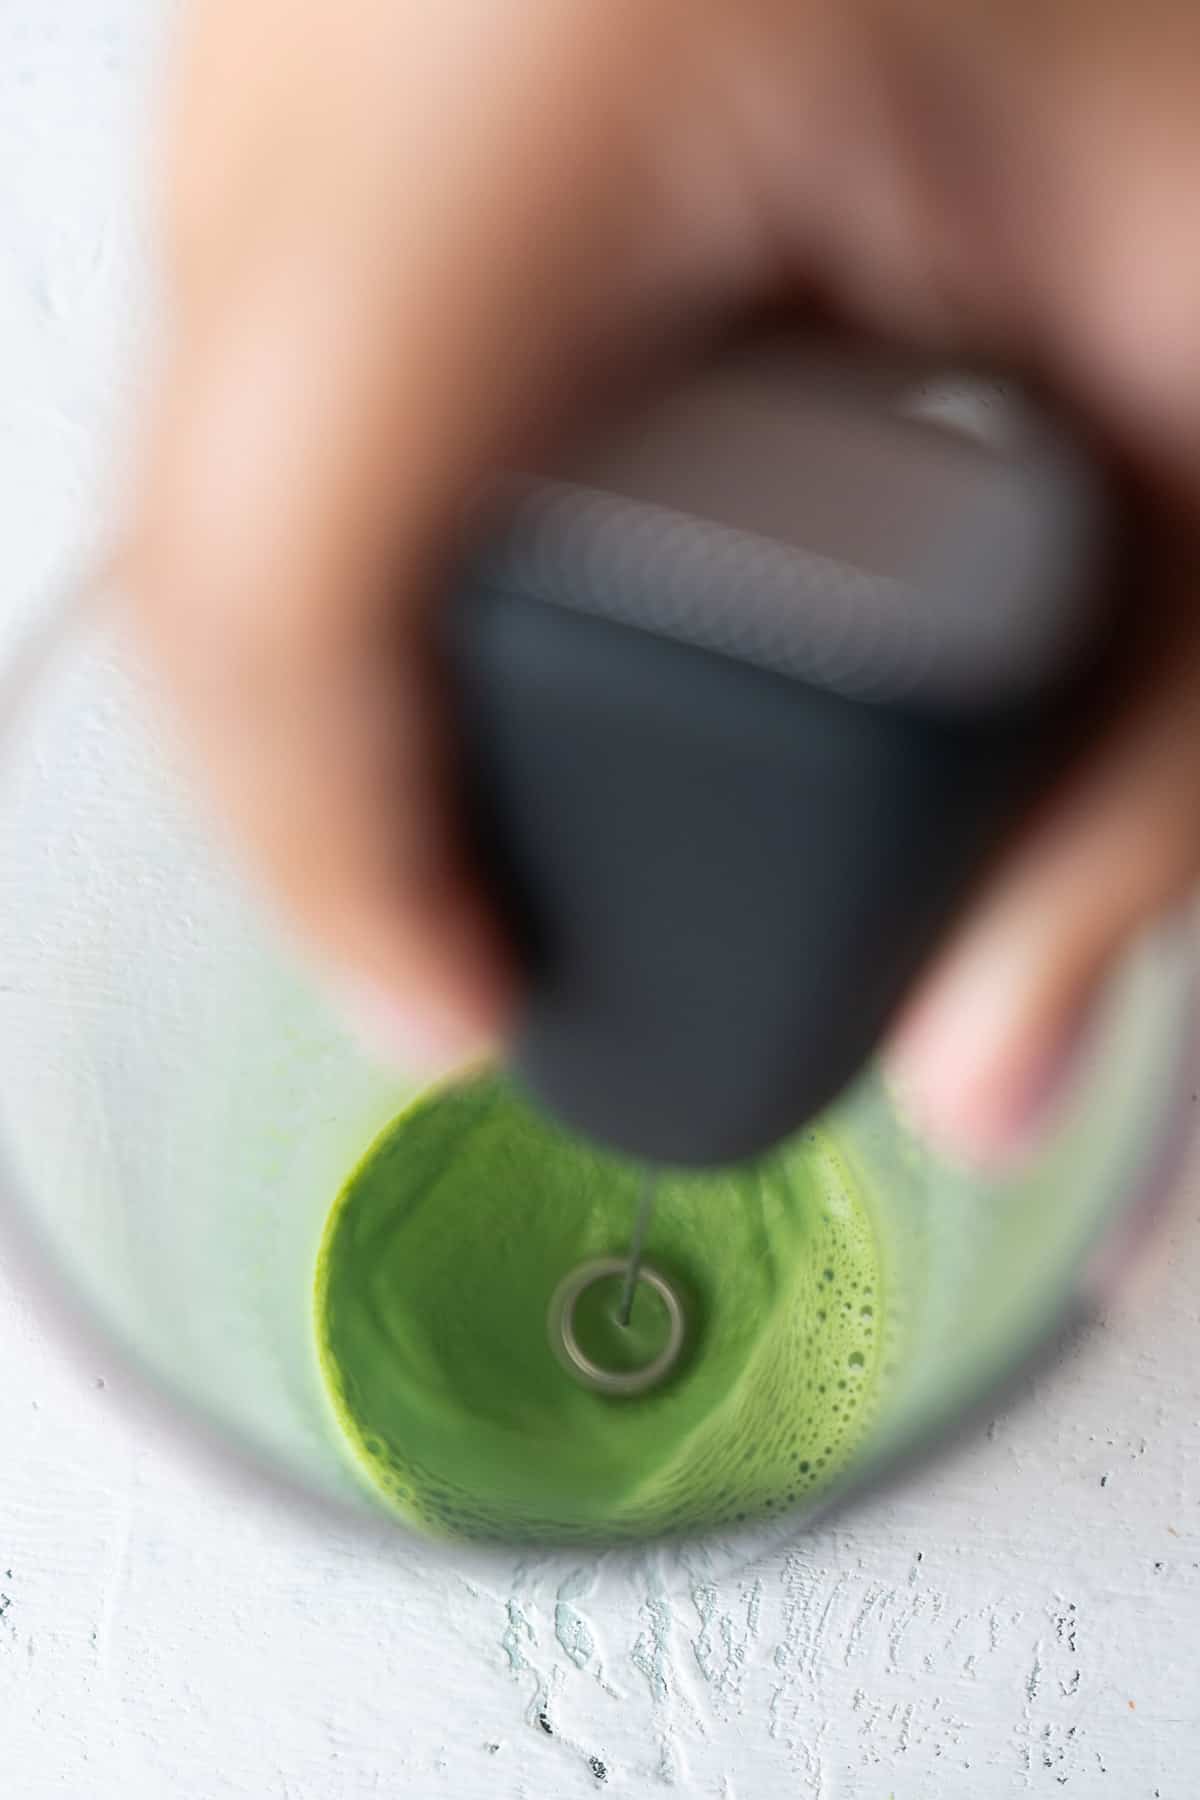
<point x="986" y="1105"/>
<point x="1048" y="1081"/>
<point x="416" y="1039"/>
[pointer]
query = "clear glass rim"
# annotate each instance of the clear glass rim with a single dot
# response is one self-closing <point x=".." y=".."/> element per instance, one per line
<point x="226" y="1454"/>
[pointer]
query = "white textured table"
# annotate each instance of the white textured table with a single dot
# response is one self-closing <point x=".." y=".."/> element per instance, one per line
<point x="1024" y="1620"/>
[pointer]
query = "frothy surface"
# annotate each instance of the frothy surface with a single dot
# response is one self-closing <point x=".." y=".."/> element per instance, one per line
<point x="435" y="1276"/>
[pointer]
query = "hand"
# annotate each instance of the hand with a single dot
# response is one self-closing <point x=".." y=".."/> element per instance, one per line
<point x="403" y="244"/>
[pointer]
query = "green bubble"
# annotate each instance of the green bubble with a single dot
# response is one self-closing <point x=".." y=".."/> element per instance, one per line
<point x="435" y="1278"/>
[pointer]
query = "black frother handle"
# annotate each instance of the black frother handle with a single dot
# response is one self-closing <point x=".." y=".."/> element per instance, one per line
<point x="722" y="880"/>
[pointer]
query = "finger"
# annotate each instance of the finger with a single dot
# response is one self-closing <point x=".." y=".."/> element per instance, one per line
<point x="359" y="359"/>
<point x="988" y="1039"/>
<point x="282" y="574"/>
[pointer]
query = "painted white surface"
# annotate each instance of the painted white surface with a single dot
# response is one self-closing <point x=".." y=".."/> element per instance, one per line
<point x="1026" y="1619"/>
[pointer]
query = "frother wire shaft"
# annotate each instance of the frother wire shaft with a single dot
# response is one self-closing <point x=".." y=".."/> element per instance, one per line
<point x="637" y="1248"/>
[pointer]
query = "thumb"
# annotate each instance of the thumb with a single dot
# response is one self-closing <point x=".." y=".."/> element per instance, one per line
<point x="986" y="1044"/>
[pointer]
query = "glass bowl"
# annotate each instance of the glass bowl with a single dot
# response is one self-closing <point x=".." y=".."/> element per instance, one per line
<point x="179" y="1108"/>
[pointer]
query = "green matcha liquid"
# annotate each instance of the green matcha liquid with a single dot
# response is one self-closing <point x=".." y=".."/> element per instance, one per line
<point x="435" y="1277"/>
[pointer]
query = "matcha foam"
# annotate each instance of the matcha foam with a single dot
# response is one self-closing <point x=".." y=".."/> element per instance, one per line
<point x="434" y="1280"/>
